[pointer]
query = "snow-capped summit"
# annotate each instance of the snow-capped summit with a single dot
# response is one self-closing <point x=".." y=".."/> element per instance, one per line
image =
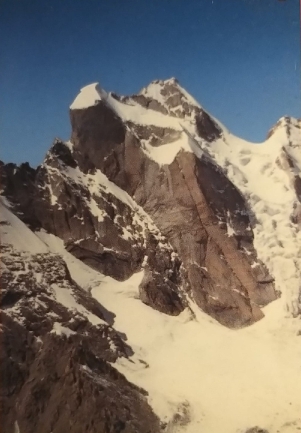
<point x="287" y="124"/>
<point x="88" y="96"/>
<point x="174" y="98"/>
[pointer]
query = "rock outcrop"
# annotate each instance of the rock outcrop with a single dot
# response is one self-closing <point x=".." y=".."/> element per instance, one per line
<point x="58" y="344"/>
<point x="98" y="222"/>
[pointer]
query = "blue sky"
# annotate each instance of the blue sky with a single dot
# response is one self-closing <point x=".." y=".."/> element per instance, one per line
<point x="239" y="58"/>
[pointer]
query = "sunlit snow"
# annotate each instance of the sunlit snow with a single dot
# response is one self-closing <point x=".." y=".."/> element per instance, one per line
<point x="230" y="380"/>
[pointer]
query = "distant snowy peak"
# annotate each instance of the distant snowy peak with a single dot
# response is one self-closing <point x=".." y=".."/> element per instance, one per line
<point x="286" y="135"/>
<point x="287" y="127"/>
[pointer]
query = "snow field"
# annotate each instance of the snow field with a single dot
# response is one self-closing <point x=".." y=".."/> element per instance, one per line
<point x="228" y="380"/>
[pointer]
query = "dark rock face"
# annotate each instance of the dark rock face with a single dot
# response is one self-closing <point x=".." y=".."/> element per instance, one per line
<point x="207" y="127"/>
<point x="184" y="221"/>
<point x="110" y="234"/>
<point x="98" y="123"/>
<point x="165" y="300"/>
<point x="18" y="185"/>
<point x="56" y="373"/>
<point x="66" y="388"/>
<point x="297" y="186"/>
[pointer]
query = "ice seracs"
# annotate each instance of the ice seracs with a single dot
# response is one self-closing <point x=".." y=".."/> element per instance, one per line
<point x="265" y="174"/>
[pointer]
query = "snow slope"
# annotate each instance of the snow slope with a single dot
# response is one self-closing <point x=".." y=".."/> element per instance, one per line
<point x="220" y="380"/>
<point x="89" y="95"/>
<point x="15" y="232"/>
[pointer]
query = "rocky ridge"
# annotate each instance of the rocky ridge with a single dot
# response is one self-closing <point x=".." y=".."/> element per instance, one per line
<point x="58" y="345"/>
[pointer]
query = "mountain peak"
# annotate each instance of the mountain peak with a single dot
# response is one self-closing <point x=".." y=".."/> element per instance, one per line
<point x="169" y="92"/>
<point x="89" y="96"/>
<point x="286" y="125"/>
<point x="168" y="81"/>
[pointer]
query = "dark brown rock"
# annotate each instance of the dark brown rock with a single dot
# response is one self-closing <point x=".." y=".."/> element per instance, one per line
<point x="79" y="393"/>
<point x="189" y="218"/>
<point x="207" y="127"/>
<point x="161" y="296"/>
<point x="61" y="382"/>
<point x="100" y="129"/>
<point x="18" y="185"/>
